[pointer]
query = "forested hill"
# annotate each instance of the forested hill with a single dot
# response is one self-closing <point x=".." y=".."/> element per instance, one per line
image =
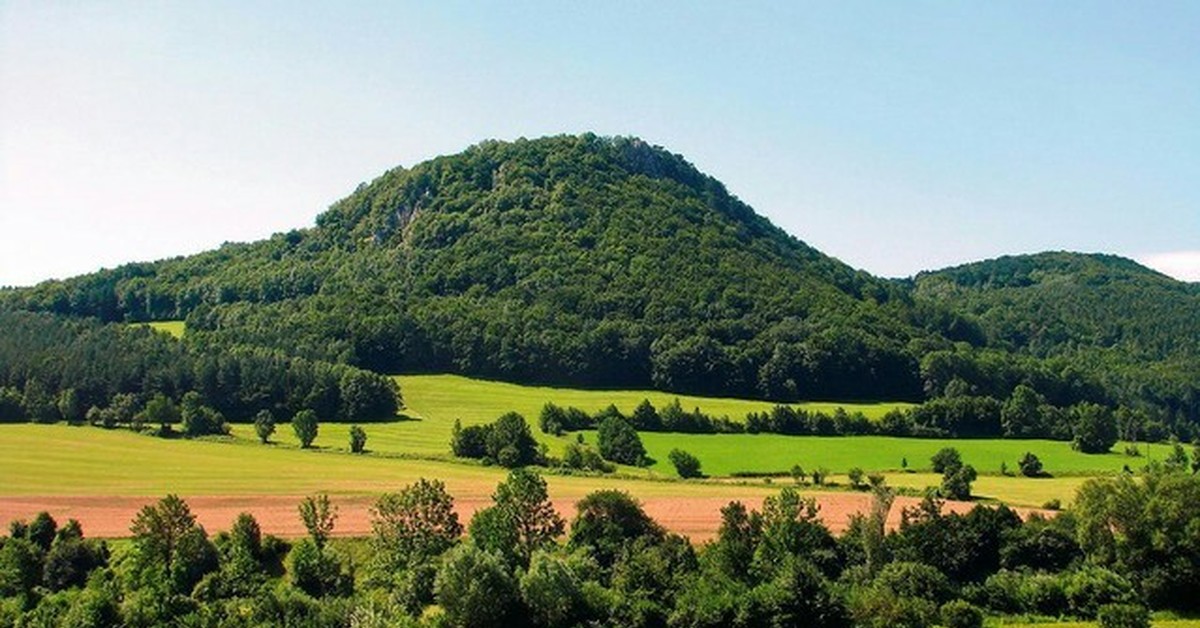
<point x="575" y="259"/>
<point x="1059" y="303"/>
<point x="604" y="262"/>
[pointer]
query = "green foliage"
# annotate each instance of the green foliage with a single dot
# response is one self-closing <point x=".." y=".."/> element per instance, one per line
<point x="1030" y="465"/>
<point x="264" y="426"/>
<point x="162" y="411"/>
<point x="510" y="443"/>
<point x="1123" y="616"/>
<point x="476" y="590"/>
<point x="619" y="442"/>
<point x="358" y="439"/>
<point x="169" y="548"/>
<point x="686" y="465"/>
<point x="199" y="419"/>
<point x="413" y="526"/>
<point x="1095" y="428"/>
<point x="306" y="426"/>
<point x="112" y="366"/>
<point x="1146" y="529"/>
<point x="520" y="521"/>
<point x="316" y="571"/>
<point x="961" y="614"/>
<point x="319" y="516"/>
<point x="946" y="459"/>
<point x="607" y="520"/>
<point x="553" y="588"/>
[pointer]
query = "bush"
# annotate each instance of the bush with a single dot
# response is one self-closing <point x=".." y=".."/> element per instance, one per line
<point x="911" y="579"/>
<point x="317" y="572"/>
<point x="1030" y="466"/>
<point x="687" y="465"/>
<point x="306" y="426"/>
<point x="469" y="442"/>
<point x="582" y="457"/>
<point x="946" y="459"/>
<point x="474" y="588"/>
<point x="956" y="484"/>
<point x="1090" y="588"/>
<point x="856" y="475"/>
<point x="960" y="614"/>
<point x="510" y="443"/>
<point x="1124" y="616"/>
<point x="358" y="439"/>
<point x="264" y="425"/>
<point x="619" y="442"/>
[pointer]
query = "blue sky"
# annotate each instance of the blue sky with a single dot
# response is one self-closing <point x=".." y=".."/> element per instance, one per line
<point x="894" y="136"/>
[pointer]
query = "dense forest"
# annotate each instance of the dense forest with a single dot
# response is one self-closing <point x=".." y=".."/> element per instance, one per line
<point x="607" y="262"/>
<point x="59" y="369"/>
<point x="1128" y="546"/>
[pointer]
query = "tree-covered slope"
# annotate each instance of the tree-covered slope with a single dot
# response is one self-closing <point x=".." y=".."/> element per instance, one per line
<point x="1059" y="303"/>
<point x="577" y="259"/>
<point x="1104" y="322"/>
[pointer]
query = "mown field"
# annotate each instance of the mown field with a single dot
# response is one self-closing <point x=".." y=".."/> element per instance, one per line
<point x="435" y="401"/>
<point x="61" y="460"/>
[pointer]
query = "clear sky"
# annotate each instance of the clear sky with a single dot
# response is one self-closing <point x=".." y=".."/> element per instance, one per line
<point x="896" y="136"/>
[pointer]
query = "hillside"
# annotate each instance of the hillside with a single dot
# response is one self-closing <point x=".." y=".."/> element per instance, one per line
<point x="583" y="260"/>
<point x="1136" y="331"/>
<point x="611" y="263"/>
<point x="1056" y="303"/>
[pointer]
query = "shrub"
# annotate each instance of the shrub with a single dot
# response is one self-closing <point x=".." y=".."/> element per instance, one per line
<point x="960" y="614"/>
<point x="1030" y="466"/>
<point x="1090" y="588"/>
<point x="474" y="588"/>
<point x="1095" y="428"/>
<point x="358" y="439"/>
<point x="856" y="475"/>
<point x="509" y="441"/>
<point x="1124" y="616"/>
<point x="469" y="442"/>
<point x="911" y="579"/>
<point x="956" y="484"/>
<point x="306" y="426"/>
<point x="946" y="459"/>
<point x="583" y="457"/>
<point x="619" y="442"/>
<point x="687" y="465"/>
<point x="264" y="425"/>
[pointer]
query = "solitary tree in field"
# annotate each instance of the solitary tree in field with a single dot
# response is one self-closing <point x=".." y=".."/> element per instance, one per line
<point x="305" y="425"/>
<point x="1031" y="466"/>
<point x="687" y="465"/>
<point x="264" y="425"/>
<point x="358" y="439"/>
<point x="619" y="442"/>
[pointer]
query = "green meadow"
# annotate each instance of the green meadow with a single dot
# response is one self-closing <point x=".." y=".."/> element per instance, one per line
<point x="80" y="460"/>
<point x="727" y="454"/>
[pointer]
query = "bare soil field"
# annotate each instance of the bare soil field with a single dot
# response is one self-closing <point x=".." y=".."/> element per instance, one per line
<point x="696" y="517"/>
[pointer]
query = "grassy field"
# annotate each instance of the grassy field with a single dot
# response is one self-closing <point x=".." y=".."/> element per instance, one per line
<point x="175" y="328"/>
<point x="65" y="460"/>
<point x="436" y="401"/>
<point x="724" y="454"/>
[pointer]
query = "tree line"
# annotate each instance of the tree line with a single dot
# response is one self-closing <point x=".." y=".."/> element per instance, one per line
<point x="54" y="368"/>
<point x="1092" y="428"/>
<point x="1126" y="547"/>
